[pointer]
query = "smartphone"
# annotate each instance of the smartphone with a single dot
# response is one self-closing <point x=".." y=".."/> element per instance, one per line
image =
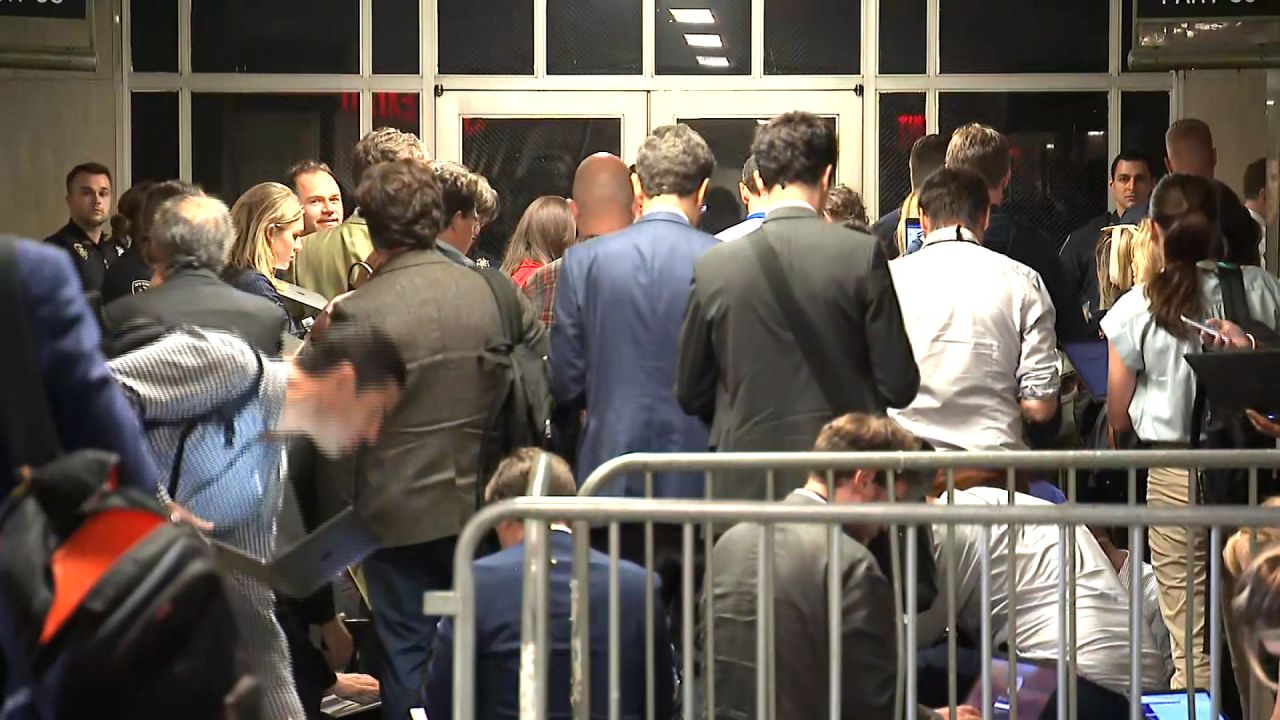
<point x="1203" y="328"/>
<point x="915" y="235"/>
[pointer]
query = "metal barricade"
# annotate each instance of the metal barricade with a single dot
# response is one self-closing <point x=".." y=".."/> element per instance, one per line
<point x="691" y="515"/>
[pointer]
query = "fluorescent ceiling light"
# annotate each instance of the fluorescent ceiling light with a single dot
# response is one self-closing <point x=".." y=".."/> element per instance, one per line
<point x="713" y="61"/>
<point x="1048" y="146"/>
<point x="703" y="41"/>
<point x="693" y="16"/>
<point x="1271" y="102"/>
<point x="1096" y="133"/>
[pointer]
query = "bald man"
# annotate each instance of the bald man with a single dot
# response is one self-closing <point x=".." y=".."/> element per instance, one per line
<point x="1189" y="148"/>
<point x="602" y="203"/>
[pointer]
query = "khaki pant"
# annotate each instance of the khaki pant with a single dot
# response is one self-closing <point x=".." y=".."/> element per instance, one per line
<point x="1169" y="486"/>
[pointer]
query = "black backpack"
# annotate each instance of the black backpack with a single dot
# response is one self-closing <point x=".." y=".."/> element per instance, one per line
<point x="106" y="609"/>
<point x="1229" y="431"/>
<point x="521" y="413"/>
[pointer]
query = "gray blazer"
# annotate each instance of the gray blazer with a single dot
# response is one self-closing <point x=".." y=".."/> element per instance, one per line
<point x="868" y="652"/>
<point x="739" y="367"/>
<point x="417" y="483"/>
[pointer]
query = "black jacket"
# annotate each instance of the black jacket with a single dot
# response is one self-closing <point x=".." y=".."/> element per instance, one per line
<point x="1080" y="265"/>
<point x="198" y="298"/>
<point x="1035" y="250"/>
<point x="91" y="259"/>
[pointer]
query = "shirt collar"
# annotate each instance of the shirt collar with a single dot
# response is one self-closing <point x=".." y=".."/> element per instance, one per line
<point x="805" y="492"/>
<point x="454" y="254"/>
<point x="669" y="210"/>
<point x="952" y="233"/>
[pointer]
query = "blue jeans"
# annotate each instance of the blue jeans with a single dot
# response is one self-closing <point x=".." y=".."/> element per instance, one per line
<point x="396" y="579"/>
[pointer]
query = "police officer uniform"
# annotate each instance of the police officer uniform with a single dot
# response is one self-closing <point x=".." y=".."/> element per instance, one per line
<point x="91" y="259"/>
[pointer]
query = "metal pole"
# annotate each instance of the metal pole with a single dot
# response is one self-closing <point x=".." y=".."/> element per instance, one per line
<point x="580" y="622"/>
<point x="912" y="618"/>
<point x="762" y="628"/>
<point x="1214" y="620"/>
<point x="689" y="618"/>
<point x="1136" y="622"/>
<point x="835" y="618"/>
<point x="984" y="541"/>
<point x="1011" y="572"/>
<point x="1062" y="621"/>
<point x="1189" y="630"/>
<point x="649" y="684"/>
<point x="615" y="627"/>
<point x="708" y="592"/>
<point x="534" y="637"/>
<point x="952" y="690"/>
<point x="899" y="635"/>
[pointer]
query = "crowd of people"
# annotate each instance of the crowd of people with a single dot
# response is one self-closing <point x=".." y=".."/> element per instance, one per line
<point x="189" y="345"/>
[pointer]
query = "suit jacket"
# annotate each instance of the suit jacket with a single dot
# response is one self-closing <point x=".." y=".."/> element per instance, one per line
<point x="739" y="368"/>
<point x="326" y="257"/>
<point x="618" y="305"/>
<point x="1080" y="266"/>
<point x="498" y="579"/>
<point x="87" y="407"/>
<point x="868" y="649"/>
<point x="417" y="483"/>
<point x="886" y="231"/>
<point x="198" y="298"/>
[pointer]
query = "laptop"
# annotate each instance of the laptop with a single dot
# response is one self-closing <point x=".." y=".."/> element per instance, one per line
<point x="1174" y="706"/>
<point x="1239" y="381"/>
<point x="1036" y="684"/>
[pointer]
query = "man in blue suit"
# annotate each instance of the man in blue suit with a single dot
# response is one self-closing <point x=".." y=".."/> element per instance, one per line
<point x="619" y="305"/>
<point x="498" y="615"/>
<point x="86" y="406"/>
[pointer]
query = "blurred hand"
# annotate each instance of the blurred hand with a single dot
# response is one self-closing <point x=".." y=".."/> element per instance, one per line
<point x="963" y="712"/>
<point x="338" y="645"/>
<point x="179" y="514"/>
<point x="1235" y="337"/>
<point x="1264" y="426"/>
<point x="357" y="688"/>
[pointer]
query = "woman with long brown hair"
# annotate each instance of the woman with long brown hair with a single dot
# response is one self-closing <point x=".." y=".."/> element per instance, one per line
<point x="545" y="231"/>
<point x="1150" y="386"/>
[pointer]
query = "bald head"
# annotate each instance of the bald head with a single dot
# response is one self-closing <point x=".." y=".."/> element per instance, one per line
<point x="603" y="201"/>
<point x="1189" y="148"/>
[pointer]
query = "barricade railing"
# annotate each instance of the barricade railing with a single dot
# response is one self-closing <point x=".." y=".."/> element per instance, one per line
<point x="581" y="513"/>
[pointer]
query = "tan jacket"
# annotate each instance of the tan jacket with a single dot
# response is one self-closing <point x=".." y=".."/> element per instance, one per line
<point x="326" y="257"/>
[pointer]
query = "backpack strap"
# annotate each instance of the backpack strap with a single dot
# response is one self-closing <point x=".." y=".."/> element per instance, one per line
<point x="1235" y="305"/>
<point x="25" y="417"/>
<point x="808" y="340"/>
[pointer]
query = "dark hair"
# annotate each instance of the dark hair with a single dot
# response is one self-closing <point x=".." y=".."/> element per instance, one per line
<point x="306" y="167"/>
<point x="981" y="149"/>
<point x="150" y="202"/>
<point x="370" y="351"/>
<point x="1255" y="179"/>
<point x="1240" y="233"/>
<point x="516" y="472"/>
<point x="749" y="170"/>
<point x="844" y="206"/>
<point x="1185" y="207"/>
<point x="89" y="168"/>
<point x="460" y="188"/>
<point x="928" y="155"/>
<point x="955" y="195"/>
<point x="544" y="232"/>
<point x="674" y="160"/>
<point x="859" y="432"/>
<point x="128" y="209"/>
<point x="402" y="203"/>
<point x="1131" y="156"/>
<point x="797" y="147"/>
<point x="381" y="145"/>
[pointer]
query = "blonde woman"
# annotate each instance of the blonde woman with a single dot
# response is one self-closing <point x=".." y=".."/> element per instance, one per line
<point x="1127" y="255"/>
<point x="268" y="224"/>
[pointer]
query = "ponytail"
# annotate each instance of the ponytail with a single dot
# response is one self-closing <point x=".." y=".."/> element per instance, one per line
<point x="1176" y="291"/>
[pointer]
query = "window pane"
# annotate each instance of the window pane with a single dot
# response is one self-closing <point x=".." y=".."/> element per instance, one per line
<point x="730" y="140"/>
<point x="902" y="37"/>
<point x="525" y="159"/>
<point x="594" y="37"/>
<point x="493" y="37"/>
<point x="815" y="37"/>
<point x="397" y="110"/>
<point x="395" y="37"/>
<point x="153" y="133"/>
<point x="250" y="36"/>
<point x="240" y="140"/>
<point x="1059" y="146"/>
<point x="902" y="122"/>
<point x="715" y="41"/>
<point x="153" y="33"/>
<point x="1014" y="36"/>
<point x="1144" y="117"/>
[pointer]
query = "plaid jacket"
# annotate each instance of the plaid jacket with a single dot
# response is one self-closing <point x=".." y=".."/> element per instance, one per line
<point x="541" y="290"/>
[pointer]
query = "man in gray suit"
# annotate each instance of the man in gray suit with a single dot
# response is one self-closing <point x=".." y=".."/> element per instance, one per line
<point x="868" y="646"/>
<point x="416" y="487"/>
<point x="746" y="365"/>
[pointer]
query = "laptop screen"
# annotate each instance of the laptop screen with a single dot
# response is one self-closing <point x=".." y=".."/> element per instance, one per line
<point x="1173" y="706"/>
<point x="1035" y="685"/>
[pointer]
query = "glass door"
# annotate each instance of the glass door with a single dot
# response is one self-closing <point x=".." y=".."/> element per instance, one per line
<point x="529" y="144"/>
<point x="728" y="121"/>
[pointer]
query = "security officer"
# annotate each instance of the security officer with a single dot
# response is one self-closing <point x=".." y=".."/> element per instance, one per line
<point x="89" y="202"/>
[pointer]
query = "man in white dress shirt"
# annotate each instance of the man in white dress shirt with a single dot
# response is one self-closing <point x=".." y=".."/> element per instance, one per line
<point x="980" y="325"/>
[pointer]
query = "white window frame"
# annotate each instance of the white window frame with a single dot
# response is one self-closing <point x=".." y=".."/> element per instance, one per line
<point x="438" y="87"/>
